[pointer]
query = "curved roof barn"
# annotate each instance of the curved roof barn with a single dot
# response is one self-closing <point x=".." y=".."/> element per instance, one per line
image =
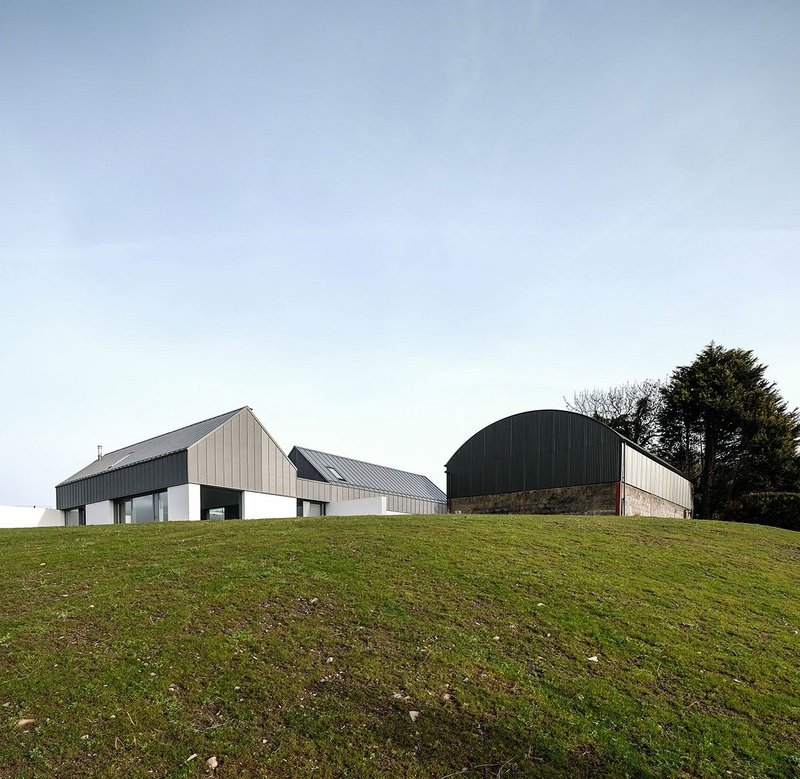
<point x="553" y="449"/>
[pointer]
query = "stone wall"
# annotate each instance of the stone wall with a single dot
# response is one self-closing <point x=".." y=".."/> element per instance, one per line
<point x="639" y="503"/>
<point x="583" y="499"/>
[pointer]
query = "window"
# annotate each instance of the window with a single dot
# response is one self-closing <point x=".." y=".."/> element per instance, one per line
<point x="141" y="509"/>
<point x="114" y="465"/>
<point x="162" y="512"/>
<point x="336" y="473"/>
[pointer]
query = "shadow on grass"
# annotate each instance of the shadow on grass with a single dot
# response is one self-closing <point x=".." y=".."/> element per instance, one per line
<point x="446" y="741"/>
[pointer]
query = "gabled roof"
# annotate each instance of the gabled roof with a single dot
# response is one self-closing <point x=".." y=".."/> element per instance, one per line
<point x="167" y="443"/>
<point x="356" y="473"/>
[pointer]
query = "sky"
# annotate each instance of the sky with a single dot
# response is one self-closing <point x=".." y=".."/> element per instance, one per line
<point x="381" y="225"/>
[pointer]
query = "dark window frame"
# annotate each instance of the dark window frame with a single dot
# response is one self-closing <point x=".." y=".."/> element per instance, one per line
<point x="120" y="512"/>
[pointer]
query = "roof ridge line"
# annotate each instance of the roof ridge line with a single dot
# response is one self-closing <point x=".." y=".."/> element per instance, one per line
<point x="365" y="462"/>
<point x="169" y="432"/>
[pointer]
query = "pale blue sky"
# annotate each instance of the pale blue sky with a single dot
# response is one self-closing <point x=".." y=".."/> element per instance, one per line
<point x="381" y="225"/>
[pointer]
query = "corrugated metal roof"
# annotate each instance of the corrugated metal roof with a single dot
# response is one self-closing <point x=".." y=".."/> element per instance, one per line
<point x="167" y="443"/>
<point x="539" y="450"/>
<point x="357" y="473"/>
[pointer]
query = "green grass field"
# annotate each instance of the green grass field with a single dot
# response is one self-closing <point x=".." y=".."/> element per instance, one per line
<point x="299" y="648"/>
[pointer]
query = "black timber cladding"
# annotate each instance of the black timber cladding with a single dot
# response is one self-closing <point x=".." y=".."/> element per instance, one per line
<point x="535" y="450"/>
<point x="315" y="465"/>
<point x="305" y="470"/>
<point x="148" y="476"/>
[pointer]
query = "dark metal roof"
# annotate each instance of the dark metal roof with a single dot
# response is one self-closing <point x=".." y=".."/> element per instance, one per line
<point x="167" y="443"/>
<point x="534" y="450"/>
<point x="356" y="473"/>
<point x="538" y="450"/>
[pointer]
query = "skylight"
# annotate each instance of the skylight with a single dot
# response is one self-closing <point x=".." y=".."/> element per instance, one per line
<point x="114" y="465"/>
<point x="336" y="473"/>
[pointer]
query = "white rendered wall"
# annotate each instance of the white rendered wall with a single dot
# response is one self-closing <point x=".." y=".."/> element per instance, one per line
<point x="101" y="513"/>
<point x="259" y="505"/>
<point x="30" y="516"/>
<point x="357" y="507"/>
<point x="183" y="502"/>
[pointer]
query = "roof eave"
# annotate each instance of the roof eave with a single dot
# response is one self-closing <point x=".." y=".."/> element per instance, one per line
<point x="120" y="468"/>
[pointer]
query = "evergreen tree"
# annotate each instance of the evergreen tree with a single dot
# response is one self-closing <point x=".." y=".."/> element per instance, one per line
<point x="727" y="427"/>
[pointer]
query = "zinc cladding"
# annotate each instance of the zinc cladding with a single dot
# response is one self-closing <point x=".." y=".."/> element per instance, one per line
<point x="316" y="465"/>
<point x="142" y="477"/>
<point x="152" y="448"/>
<point x="535" y="450"/>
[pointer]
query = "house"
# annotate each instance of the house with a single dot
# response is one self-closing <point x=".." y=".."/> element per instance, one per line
<point x="560" y="462"/>
<point x="330" y="484"/>
<point x="230" y="467"/>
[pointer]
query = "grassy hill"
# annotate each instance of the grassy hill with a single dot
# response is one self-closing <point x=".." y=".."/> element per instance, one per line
<point x="528" y="646"/>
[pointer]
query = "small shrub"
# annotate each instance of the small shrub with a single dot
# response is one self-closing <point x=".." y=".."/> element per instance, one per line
<point x="778" y="509"/>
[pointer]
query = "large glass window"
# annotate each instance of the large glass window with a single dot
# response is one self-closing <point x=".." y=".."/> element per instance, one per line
<point x="163" y="510"/>
<point x="142" y="508"/>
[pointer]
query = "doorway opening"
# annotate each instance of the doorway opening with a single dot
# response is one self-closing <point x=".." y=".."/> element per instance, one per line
<point x="219" y="503"/>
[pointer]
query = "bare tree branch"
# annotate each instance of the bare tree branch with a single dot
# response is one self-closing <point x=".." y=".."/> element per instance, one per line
<point x="632" y="409"/>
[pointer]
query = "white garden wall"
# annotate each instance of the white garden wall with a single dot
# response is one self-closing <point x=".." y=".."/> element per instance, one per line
<point x="30" y="516"/>
<point x="357" y="507"/>
<point x="259" y="505"/>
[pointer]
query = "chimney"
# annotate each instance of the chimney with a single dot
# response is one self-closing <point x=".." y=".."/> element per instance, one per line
<point x="99" y="451"/>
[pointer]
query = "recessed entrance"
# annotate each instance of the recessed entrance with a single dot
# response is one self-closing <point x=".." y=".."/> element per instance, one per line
<point x="219" y="503"/>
